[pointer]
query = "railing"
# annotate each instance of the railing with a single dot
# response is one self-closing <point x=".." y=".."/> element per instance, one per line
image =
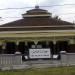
<point x="10" y="59"/>
<point x="16" y="59"/>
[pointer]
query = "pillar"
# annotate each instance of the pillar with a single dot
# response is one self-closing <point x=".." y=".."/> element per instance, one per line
<point x="17" y="42"/>
<point x="72" y="41"/>
<point x="17" y="51"/>
<point x="54" y="47"/>
<point x="3" y="48"/>
<point x="54" y="41"/>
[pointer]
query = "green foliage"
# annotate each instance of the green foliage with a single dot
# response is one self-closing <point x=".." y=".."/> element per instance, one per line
<point x="42" y="71"/>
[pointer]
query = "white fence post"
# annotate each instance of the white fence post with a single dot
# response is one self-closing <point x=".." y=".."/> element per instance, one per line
<point x="64" y="58"/>
<point x="10" y="59"/>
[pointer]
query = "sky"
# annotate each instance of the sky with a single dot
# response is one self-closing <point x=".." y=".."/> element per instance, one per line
<point x="65" y="12"/>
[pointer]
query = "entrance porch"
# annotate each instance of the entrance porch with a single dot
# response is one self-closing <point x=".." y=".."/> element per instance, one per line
<point x="21" y="45"/>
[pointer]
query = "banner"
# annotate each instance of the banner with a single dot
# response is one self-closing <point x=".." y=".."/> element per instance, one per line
<point x="39" y="53"/>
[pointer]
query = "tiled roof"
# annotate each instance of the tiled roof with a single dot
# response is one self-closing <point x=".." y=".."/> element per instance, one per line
<point x="45" y="21"/>
<point x="37" y="21"/>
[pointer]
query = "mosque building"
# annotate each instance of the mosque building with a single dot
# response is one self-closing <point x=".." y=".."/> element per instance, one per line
<point x="37" y="35"/>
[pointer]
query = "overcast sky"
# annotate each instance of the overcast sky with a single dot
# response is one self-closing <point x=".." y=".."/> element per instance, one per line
<point x="66" y="12"/>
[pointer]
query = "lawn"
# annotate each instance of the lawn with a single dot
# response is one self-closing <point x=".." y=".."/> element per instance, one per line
<point x="42" y="71"/>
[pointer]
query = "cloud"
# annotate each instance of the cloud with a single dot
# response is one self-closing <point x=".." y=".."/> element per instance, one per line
<point x="57" y="10"/>
<point x="66" y="12"/>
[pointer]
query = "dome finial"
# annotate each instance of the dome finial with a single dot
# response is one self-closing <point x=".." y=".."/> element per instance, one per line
<point x="36" y="7"/>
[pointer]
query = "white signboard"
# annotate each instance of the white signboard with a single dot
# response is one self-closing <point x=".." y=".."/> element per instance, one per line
<point x="39" y="53"/>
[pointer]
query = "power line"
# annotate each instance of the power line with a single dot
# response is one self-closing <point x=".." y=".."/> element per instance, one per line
<point x="14" y="8"/>
<point x="11" y="17"/>
<point x="66" y="14"/>
<point x="39" y="6"/>
<point x="59" y="5"/>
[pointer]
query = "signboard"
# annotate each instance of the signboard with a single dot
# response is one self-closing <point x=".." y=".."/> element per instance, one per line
<point x="39" y="53"/>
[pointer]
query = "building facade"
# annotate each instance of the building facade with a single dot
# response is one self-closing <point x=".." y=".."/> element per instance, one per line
<point x="38" y="32"/>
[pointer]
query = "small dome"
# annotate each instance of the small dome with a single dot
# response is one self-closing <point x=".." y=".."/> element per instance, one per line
<point x="36" y="12"/>
<point x="36" y="7"/>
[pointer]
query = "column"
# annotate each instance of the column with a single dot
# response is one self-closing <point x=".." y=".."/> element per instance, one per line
<point x="54" y="47"/>
<point x="3" y="48"/>
<point x="72" y="41"/>
<point x="17" y="50"/>
<point x="17" y="43"/>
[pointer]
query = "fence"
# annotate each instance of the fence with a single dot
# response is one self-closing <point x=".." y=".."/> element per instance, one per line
<point x="15" y="59"/>
<point x="67" y="58"/>
<point x="10" y="59"/>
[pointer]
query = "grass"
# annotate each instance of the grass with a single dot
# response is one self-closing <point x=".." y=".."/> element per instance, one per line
<point x="42" y="71"/>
